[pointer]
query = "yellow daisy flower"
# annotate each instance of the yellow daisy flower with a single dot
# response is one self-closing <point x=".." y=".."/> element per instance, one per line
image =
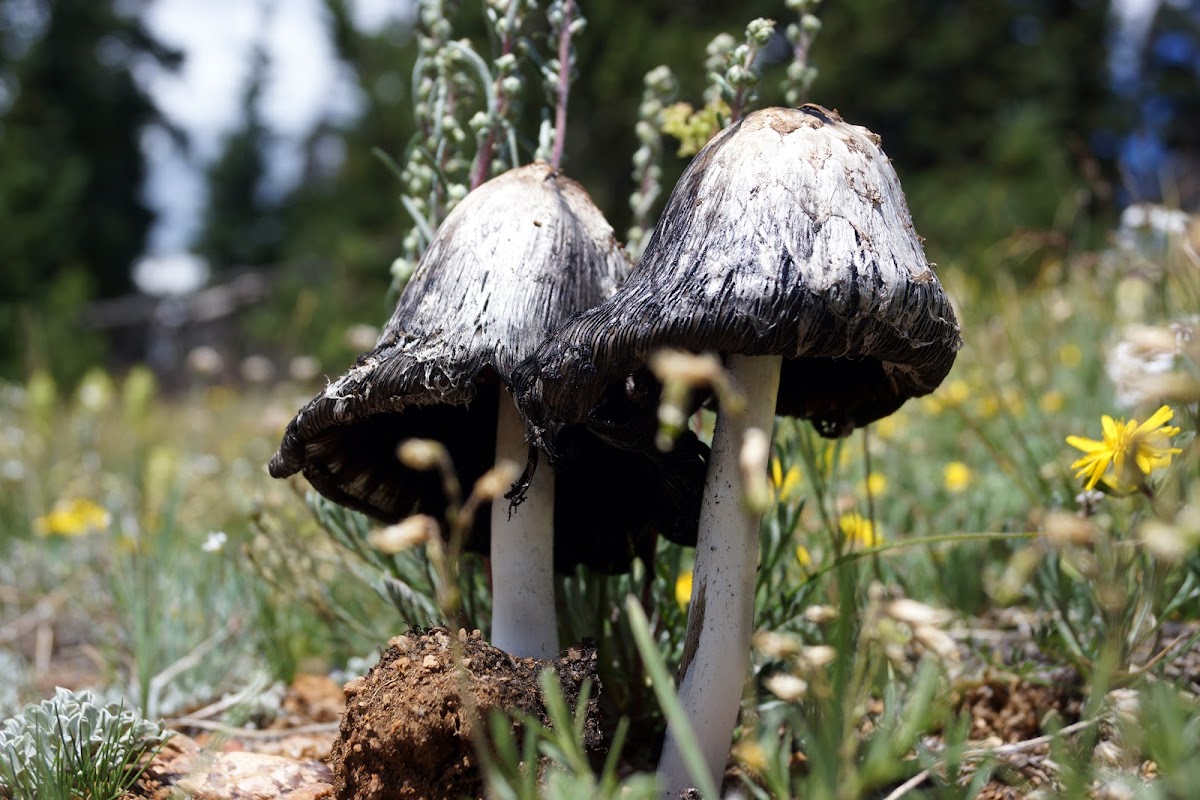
<point x="683" y="589"/>
<point x="1132" y="450"/>
<point x="858" y="530"/>
<point x="786" y="484"/>
<point x="875" y="484"/>
<point x="74" y="517"/>
<point x="956" y="476"/>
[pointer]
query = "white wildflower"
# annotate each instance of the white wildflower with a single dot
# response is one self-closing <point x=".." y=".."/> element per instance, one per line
<point x="214" y="542"/>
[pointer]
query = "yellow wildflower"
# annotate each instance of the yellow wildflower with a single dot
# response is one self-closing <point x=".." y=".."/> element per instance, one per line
<point x="1013" y="401"/>
<point x="1132" y="450"/>
<point x="989" y="406"/>
<point x="1052" y="401"/>
<point x="875" y="484"/>
<point x="750" y="756"/>
<point x="803" y="556"/>
<point x="888" y="427"/>
<point x="683" y="589"/>
<point x="787" y="483"/>
<point x="956" y="476"/>
<point x="858" y="530"/>
<point x="1069" y="355"/>
<point x="694" y="128"/>
<point x="73" y="518"/>
<point x="956" y="392"/>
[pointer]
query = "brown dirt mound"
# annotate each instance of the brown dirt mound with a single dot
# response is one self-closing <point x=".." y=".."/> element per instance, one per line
<point x="406" y="732"/>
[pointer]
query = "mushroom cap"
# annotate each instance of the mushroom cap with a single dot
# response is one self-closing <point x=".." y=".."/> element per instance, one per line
<point x="787" y="235"/>
<point x="515" y="258"/>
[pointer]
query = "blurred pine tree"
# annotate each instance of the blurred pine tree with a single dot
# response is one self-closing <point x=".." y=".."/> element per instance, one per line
<point x="241" y="225"/>
<point x="71" y="120"/>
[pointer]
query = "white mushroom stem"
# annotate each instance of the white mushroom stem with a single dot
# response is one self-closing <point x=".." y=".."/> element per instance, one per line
<point x="524" y="622"/>
<point x="721" y="614"/>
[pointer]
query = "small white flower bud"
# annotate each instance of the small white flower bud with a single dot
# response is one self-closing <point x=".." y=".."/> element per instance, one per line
<point x="722" y="43"/>
<point x="497" y="480"/>
<point x="775" y="645"/>
<point x="820" y="614"/>
<point x="816" y="656"/>
<point x="788" y="688"/>
<point x="913" y="613"/>
<point x="756" y="450"/>
<point x="760" y="31"/>
<point x="479" y="121"/>
<point x="408" y="533"/>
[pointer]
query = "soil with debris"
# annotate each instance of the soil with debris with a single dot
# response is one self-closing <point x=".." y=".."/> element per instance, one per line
<point x="407" y="733"/>
<point x="1007" y="711"/>
<point x="404" y="731"/>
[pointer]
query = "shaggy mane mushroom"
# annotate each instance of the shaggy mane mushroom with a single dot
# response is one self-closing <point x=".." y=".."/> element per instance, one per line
<point x="514" y="259"/>
<point x="788" y="248"/>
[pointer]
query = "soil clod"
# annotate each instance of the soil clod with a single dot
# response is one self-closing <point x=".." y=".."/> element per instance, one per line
<point x="407" y="732"/>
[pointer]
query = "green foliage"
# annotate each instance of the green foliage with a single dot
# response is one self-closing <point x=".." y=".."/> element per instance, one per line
<point x="568" y="771"/>
<point x="408" y="580"/>
<point x="71" y="746"/>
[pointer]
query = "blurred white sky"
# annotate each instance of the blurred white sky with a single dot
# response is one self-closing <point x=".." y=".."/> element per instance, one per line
<point x="305" y="84"/>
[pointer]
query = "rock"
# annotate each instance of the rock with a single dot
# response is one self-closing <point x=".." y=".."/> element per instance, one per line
<point x="183" y="768"/>
<point x="257" y="776"/>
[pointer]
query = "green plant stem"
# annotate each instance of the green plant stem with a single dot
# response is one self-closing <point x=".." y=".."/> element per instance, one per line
<point x="664" y="690"/>
<point x="922" y="541"/>
<point x="564" y="84"/>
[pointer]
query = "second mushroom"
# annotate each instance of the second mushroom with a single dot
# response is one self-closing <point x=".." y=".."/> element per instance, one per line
<point x="787" y="247"/>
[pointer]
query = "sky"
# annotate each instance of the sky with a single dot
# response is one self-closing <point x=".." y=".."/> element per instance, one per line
<point x="305" y="84"/>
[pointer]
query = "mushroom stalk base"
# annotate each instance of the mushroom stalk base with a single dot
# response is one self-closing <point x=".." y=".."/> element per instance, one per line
<point x="721" y="614"/>
<point x="524" y="622"/>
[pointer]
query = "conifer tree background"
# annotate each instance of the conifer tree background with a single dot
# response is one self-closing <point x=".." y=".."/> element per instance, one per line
<point x="1002" y="120"/>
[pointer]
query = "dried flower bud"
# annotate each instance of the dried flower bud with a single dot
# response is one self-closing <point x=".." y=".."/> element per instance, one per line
<point x="1115" y="789"/>
<point x="1110" y="754"/>
<point x="1062" y="528"/>
<point x="816" y="656"/>
<point x="407" y="533"/>
<point x="422" y="454"/>
<point x="775" y="645"/>
<point x="1173" y="540"/>
<point x="938" y="642"/>
<point x="497" y="480"/>
<point x="756" y="449"/>
<point x="820" y="615"/>
<point x="688" y="368"/>
<point x="1126" y="707"/>
<point x="786" y="687"/>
